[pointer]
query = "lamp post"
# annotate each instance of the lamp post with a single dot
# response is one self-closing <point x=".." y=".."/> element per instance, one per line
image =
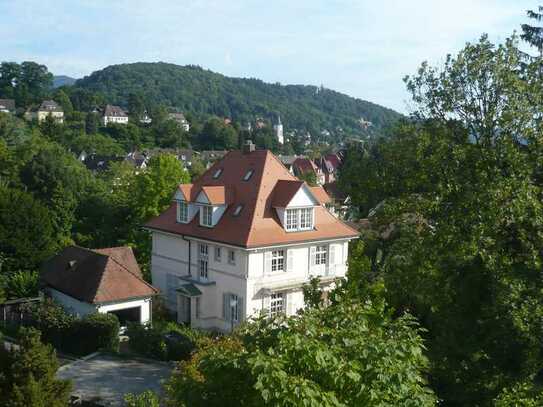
<point x="233" y="304"/>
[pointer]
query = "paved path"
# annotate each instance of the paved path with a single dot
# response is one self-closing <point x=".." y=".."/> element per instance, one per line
<point x="108" y="378"/>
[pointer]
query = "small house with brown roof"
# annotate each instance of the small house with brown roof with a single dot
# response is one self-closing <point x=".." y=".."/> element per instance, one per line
<point x="244" y="238"/>
<point x="114" y="114"/>
<point x="85" y="281"/>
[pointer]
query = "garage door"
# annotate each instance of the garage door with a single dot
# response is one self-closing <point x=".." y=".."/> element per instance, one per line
<point x="127" y="315"/>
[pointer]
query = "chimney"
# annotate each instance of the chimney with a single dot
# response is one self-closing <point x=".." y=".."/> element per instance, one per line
<point x="248" y="147"/>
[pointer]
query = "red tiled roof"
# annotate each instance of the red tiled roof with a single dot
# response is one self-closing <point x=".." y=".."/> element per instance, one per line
<point x="333" y="159"/>
<point x="284" y="191"/>
<point x="97" y="276"/>
<point x="257" y="224"/>
<point x="216" y="195"/>
<point x="304" y="165"/>
<point x="321" y="195"/>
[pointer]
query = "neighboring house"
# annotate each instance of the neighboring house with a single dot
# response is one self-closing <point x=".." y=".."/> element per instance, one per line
<point x="114" y="114"/>
<point x="180" y="119"/>
<point x="86" y="281"/>
<point x="339" y="200"/>
<point x="244" y="239"/>
<point x="7" y="105"/>
<point x="138" y="160"/>
<point x="329" y="166"/>
<point x="288" y="161"/>
<point x="209" y="157"/>
<point x="97" y="163"/>
<point x="303" y="166"/>
<point x="145" y="118"/>
<point x="47" y="108"/>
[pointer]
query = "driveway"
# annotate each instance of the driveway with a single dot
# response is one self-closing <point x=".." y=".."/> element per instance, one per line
<point x="107" y="378"/>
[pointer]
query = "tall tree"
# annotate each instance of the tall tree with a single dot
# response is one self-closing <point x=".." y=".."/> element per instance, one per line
<point x="533" y="34"/>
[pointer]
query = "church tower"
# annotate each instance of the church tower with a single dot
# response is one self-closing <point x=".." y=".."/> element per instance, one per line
<point x="278" y="129"/>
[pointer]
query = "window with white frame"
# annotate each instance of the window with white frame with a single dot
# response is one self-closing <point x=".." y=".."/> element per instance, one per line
<point x="218" y="254"/>
<point x="278" y="260"/>
<point x="291" y="219"/>
<point x="277" y="304"/>
<point x="206" y="218"/>
<point x="182" y="212"/>
<point x="321" y="254"/>
<point x="234" y="307"/>
<point x="203" y="251"/>
<point x="306" y="218"/>
<point x="231" y="257"/>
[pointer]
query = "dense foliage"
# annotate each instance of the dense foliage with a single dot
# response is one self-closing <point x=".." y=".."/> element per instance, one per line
<point x="458" y="221"/>
<point x="27" y="375"/>
<point x="199" y="91"/>
<point x="348" y="354"/>
<point x="78" y="336"/>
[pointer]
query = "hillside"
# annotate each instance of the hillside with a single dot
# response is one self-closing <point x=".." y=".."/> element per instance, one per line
<point x="62" y="80"/>
<point x="193" y="89"/>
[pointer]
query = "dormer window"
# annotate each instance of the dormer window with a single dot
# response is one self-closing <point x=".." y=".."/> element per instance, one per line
<point x="206" y="216"/>
<point x="298" y="219"/>
<point x="217" y="173"/>
<point x="248" y="175"/>
<point x="182" y="212"/>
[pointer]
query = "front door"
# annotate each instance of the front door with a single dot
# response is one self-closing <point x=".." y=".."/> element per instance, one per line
<point x="183" y="309"/>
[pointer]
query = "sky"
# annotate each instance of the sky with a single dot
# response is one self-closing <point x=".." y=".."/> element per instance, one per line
<point x="361" y="48"/>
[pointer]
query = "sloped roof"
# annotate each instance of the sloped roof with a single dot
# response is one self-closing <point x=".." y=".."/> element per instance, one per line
<point x="321" y="195"/>
<point x="217" y="195"/>
<point x="257" y="224"/>
<point x="7" y="104"/>
<point x="97" y="276"/>
<point x="115" y="111"/>
<point x="304" y="165"/>
<point x="284" y="191"/>
<point x="49" y="106"/>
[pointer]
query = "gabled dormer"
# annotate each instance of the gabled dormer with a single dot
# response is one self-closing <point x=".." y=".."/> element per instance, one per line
<point x="185" y="208"/>
<point x="295" y="205"/>
<point x="212" y="202"/>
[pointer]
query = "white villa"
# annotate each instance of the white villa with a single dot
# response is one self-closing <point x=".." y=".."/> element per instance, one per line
<point x="244" y="238"/>
<point x="114" y="114"/>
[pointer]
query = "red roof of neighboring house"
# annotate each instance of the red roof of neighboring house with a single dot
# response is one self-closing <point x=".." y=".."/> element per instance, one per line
<point x="304" y="165"/>
<point x="257" y="224"/>
<point x="97" y="276"/>
<point x="334" y="160"/>
<point x="116" y="111"/>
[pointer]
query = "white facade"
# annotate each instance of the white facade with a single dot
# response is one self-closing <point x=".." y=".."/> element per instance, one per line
<point x="253" y="277"/>
<point x="80" y="308"/>
<point x="114" y="119"/>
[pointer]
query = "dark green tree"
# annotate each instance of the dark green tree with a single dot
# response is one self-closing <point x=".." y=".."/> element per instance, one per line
<point x="532" y="34"/>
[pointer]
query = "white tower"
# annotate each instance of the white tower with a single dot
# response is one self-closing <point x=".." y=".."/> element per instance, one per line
<point x="278" y="129"/>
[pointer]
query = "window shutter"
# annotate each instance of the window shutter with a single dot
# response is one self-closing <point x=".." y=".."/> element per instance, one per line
<point x="332" y="251"/>
<point x="240" y="309"/>
<point x="267" y="262"/>
<point x="290" y="304"/>
<point x="290" y="260"/>
<point x="313" y="251"/>
<point x="226" y="306"/>
<point x="266" y="304"/>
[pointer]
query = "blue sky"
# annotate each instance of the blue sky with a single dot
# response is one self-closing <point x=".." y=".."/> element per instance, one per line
<point x="362" y="48"/>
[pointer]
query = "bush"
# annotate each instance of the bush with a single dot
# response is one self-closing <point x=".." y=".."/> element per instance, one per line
<point x="167" y="342"/>
<point x="95" y="332"/>
<point x="71" y="335"/>
<point x="145" y="399"/>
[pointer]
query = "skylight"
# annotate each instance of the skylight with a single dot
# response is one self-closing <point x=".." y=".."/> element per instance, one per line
<point x="248" y="175"/>
<point x="217" y="173"/>
<point x="238" y="210"/>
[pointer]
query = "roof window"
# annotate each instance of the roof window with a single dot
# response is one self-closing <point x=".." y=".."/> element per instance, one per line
<point x="217" y="173"/>
<point x="238" y="210"/>
<point x="248" y="175"/>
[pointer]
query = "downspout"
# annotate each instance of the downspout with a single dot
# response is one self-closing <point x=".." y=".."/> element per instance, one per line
<point x="188" y="240"/>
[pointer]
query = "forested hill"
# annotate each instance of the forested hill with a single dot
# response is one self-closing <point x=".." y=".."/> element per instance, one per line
<point x="193" y="89"/>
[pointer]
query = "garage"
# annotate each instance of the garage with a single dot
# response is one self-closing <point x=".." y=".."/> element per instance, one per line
<point x="126" y="315"/>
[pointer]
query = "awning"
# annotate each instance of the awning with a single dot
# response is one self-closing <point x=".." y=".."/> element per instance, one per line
<point x="189" y="290"/>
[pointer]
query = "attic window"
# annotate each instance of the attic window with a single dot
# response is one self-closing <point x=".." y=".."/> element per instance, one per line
<point x="238" y="210"/>
<point x="217" y="173"/>
<point x="248" y="175"/>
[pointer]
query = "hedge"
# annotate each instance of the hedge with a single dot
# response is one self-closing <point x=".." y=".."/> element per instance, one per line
<point x="72" y="335"/>
<point x="157" y="343"/>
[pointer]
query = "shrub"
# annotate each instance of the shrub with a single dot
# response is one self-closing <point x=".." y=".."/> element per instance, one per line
<point x="145" y="399"/>
<point x="95" y="332"/>
<point x="162" y="342"/>
<point x="22" y="284"/>
<point x="77" y="336"/>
